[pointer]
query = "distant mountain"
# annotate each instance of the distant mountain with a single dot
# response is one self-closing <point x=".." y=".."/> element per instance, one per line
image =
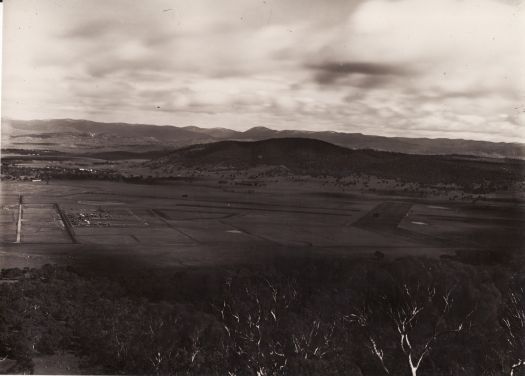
<point x="305" y="156"/>
<point x="218" y="133"/>
<point x="397" y="144"/>
<point x="69" y="134"/>
<point x="95" y="129"/>
<point x="83" y="135"/>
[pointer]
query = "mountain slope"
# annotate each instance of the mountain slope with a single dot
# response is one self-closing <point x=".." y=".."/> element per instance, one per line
<point x="397" y="144"/>
<point x="95" y="129"/>
<point x="72" y="135"/>
<point x="313" y="157"/>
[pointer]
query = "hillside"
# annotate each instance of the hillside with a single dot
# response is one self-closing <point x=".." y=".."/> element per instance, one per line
<point x="305" y="156"/>
<point x="71" y="135"/>
<point x="398" y="144"/>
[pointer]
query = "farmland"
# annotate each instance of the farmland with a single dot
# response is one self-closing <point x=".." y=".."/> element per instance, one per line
<point x="205" y="223"/>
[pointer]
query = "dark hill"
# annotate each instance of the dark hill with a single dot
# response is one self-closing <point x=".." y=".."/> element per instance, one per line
<point x="313" y="157"/>
<point x="396" y="144"/>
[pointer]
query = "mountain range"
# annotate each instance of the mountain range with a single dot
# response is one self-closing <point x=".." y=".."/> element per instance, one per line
<point x="84" y="135"/>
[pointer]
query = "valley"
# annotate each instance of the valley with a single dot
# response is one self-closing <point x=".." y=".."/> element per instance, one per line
<point x="204" y="223"/>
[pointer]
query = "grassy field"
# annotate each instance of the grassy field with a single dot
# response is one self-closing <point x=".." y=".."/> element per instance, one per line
<point x="203" y="222"/>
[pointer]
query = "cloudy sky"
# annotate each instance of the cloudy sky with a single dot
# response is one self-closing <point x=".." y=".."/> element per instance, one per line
<point x="432" y="68"/>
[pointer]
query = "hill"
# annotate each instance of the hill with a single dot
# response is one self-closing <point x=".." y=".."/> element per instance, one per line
<point x="304" y="156"/>
<point x="71" y="135"/>
<point x="397" y="144"/>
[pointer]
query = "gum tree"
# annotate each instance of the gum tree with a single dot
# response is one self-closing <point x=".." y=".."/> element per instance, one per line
<point x="402" y="327"/>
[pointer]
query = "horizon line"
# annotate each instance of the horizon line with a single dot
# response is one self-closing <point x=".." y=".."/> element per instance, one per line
<point x="272" y="129"/>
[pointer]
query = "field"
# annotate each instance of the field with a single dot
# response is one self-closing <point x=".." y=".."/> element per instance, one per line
<point x="204" y="223"/>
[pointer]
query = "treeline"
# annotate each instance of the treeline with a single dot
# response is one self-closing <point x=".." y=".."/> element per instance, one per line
<point x="411" y="316"/>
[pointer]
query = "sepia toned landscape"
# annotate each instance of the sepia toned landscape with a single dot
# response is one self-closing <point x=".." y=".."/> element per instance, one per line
<point x="262" y="188"/>
<point x="265" y="231"/>
<point x="232" y="196"/>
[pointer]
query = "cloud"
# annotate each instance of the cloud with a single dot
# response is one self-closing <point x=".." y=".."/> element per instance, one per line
<point x="332" y="72"/>
<point x="358" y="67"/>
<point x="404" y="67"/>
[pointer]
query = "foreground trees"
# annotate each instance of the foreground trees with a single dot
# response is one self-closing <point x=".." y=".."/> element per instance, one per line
<point x="512" y="320"/>
<point x="267" y="329"/>
<point x="417" y="316"/>
<point x="362" y="317"/>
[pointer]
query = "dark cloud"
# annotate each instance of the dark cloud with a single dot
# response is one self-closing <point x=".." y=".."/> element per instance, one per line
<point x="375" y="73"/>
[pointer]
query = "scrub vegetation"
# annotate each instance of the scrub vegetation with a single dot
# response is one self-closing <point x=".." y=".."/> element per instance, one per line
<point x="364" y="316"/>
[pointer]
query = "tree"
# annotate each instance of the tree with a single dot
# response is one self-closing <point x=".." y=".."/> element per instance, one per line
<point x="268" y="331"/>
<point x="512" y="321"/>
<point x="253" y="317"/>
<point x="401" y="327"/>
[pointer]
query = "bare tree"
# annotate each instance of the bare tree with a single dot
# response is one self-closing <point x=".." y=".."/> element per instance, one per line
<point x="262" y="334"/>
<point x="513" y="322"/>
<point x="253" y="318"/>
<point x="419" y="317"/>
<point x="314" y="340"/>
<point x="363" y="317"/>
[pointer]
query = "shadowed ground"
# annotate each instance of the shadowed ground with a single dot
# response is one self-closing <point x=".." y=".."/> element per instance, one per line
<point x="186" y="224"/>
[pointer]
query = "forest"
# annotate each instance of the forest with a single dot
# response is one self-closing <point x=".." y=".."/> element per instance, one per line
<point x="310" y="316"/>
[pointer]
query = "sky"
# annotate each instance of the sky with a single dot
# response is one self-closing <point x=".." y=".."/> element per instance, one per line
<point x="413" y="68"/>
